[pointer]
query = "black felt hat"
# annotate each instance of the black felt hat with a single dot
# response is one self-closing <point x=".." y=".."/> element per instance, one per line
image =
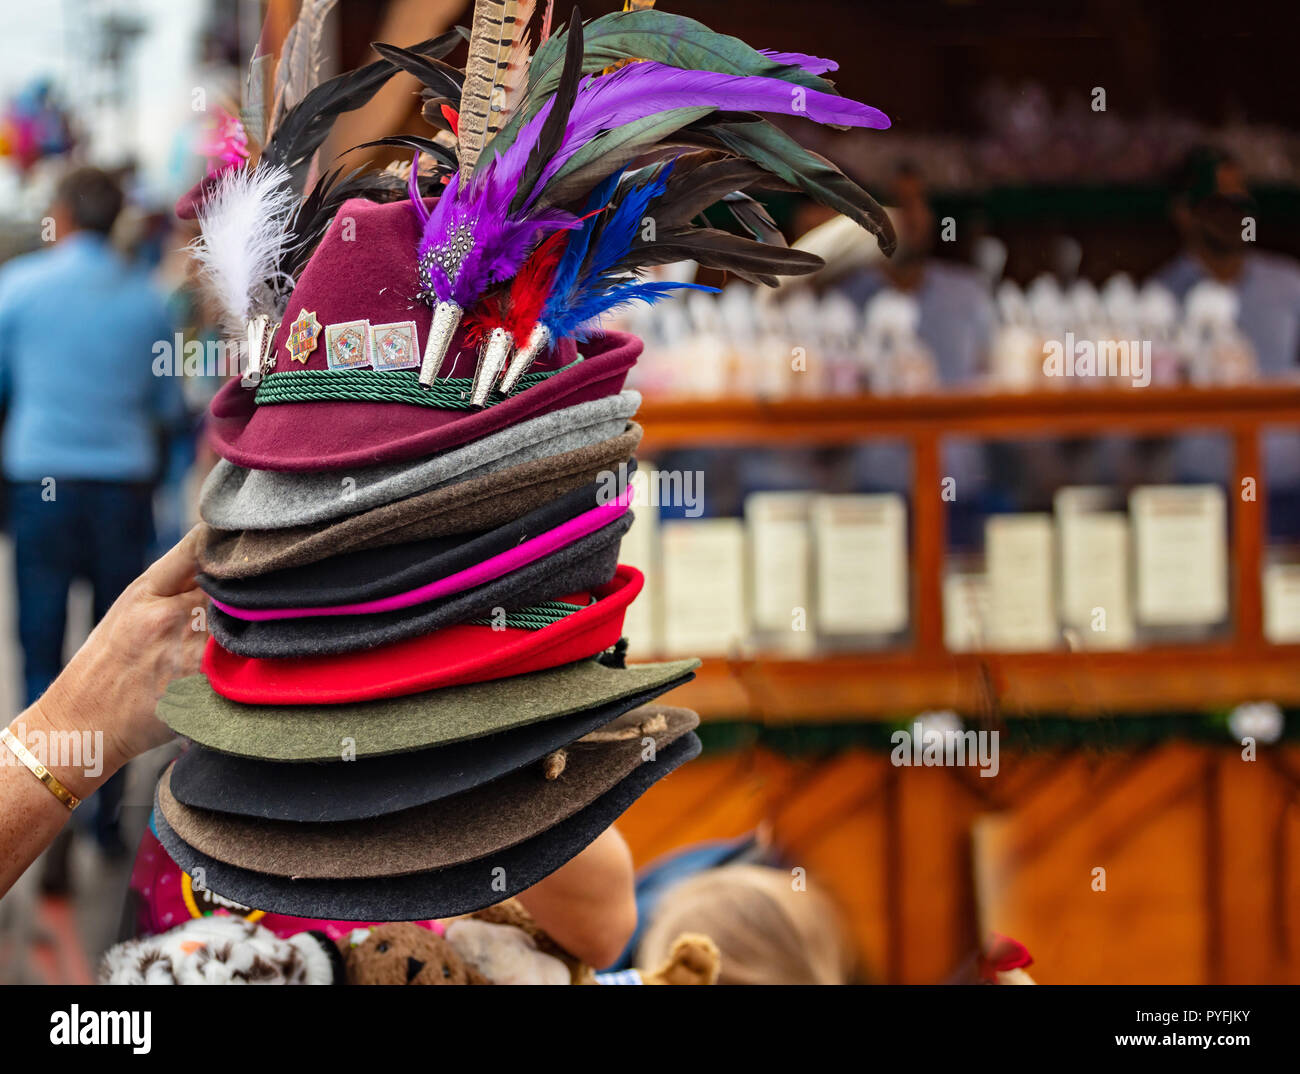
<point x="583" y="565"/>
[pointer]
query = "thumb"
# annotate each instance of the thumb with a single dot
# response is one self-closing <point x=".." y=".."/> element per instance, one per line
<point x="174" y="572"/>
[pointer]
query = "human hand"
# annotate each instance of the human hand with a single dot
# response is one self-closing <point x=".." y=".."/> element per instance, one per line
<point x="150" y="636"/>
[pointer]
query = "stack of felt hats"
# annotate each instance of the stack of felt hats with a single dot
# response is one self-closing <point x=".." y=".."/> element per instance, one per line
<point x="415" y="700"/>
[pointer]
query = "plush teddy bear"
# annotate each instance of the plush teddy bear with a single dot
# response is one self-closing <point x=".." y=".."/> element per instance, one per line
<point x="220" y="949"/>
<point x="508" y="947"/>
<point x="403" y="953"/>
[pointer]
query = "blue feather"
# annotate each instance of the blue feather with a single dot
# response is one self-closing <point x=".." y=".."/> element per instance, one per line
<point x="581" y="320"/>
<point x="566" y="272"/>
<point x="621" y="228"/>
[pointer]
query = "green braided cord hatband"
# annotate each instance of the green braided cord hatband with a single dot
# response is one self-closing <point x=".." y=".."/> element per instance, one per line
<point x="534" y="617"/>
<point x="380" y="386"/>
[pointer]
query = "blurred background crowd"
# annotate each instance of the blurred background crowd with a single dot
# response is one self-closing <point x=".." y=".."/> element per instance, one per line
<point x="1092" y="167"/>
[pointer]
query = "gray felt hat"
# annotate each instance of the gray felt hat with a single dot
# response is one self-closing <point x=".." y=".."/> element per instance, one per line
<point x="583" y="565"/>
<point x="234" y="498"/>
<point x="469" y="506"/>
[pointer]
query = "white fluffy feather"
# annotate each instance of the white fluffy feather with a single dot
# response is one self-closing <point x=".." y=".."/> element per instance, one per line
<point x="245" y="224"/>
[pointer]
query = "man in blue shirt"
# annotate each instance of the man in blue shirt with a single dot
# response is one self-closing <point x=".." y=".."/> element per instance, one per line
<point x="84" y="421"/>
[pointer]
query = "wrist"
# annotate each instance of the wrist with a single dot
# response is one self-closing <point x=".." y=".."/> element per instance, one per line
<point x="80" y="756"/>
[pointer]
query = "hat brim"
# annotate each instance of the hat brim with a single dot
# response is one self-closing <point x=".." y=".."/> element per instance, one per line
<point x="471" y="506"/>
<point x="460" y="889"/>
<point x="236" y="498"/>
<point x="373" y="786"/>
<point x="453" y="656"/>
<point x="578" y="567"/>
<point x="437" y="835"/>
<point x="374" y="574"/>
<point x="303" y="437"/>
<point x="416" y="721"/>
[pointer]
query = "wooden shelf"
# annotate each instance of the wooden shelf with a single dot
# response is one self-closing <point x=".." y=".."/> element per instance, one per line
<point x="671" y="423"/>
<point x="925" y="675"/>
<point x="1082" y="684"/>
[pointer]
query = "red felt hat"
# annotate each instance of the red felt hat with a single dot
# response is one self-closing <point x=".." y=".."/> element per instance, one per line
<point x="448" y="657"/>
<point x="308" y="416"/>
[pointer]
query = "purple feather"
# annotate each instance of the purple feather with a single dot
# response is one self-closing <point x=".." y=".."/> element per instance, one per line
<point x="814" y="65"/>
<point x="645" y="89"/>
<point x="469" y="240"/>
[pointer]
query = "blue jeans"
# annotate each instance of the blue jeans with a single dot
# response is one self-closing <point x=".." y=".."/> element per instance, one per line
<point x="96" y="530"/>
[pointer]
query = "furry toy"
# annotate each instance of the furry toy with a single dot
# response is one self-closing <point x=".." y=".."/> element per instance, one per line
<point x="403" y="953"/>
<point x="508" y="947"/>
<point x="223" y="950"/>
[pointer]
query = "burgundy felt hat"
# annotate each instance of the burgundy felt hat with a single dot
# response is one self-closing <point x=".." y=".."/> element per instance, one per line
<point x="322" y="406"/>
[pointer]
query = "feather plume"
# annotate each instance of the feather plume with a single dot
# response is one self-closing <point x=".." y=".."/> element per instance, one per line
<point x="551" y="133"/>
<point x="545" y="33"/>
<point x="245" y="232"/>
<point x="637" y="106"/>
<point x="515" y="79"/>
<point x="673" y="40"/>
<point x="814" y="65"/>
<point x="303" y="128"/>
<point x="491" y="37"/>
<point x="301" y="58"/>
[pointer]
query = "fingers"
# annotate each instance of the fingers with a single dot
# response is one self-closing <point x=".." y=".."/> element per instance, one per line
<point x="174" y="572"/>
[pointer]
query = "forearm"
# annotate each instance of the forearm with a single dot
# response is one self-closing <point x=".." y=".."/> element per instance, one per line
<point x="30" y="815"/>
<point x="589" y="906"/>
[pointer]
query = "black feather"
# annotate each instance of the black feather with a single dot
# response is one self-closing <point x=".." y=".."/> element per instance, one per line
<point x="304" y="127"/>
<point x="441" y="153"/>
<point x="754" y="218"/>
<point x="321" y="205"/>
<point x="775" y="151"/>
<point x="552" y="133"/>
<point x="720" y="250"/>
<point x="441" y="78"/>
<point x="699" y="180"/>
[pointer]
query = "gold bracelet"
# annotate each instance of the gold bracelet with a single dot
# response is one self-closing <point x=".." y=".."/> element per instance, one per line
<point x="39" y="770"/>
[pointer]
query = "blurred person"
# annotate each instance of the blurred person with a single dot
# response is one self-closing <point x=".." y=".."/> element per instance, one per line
<point x="1210" y="206"/>
<point x="766" y="931"/>
<point x="957" y="320"/>
<point x="957" y="312"/>
<point x="85" y="426"/>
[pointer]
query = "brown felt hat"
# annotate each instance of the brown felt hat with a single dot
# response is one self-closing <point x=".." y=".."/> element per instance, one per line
<point x="466" y="507"/>
<point x="463" y="828"/>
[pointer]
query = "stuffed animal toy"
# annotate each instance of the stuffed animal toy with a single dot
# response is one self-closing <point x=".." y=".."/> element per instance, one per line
<point x="508" y="947"/>
<point x="403" y="953"/>
<point x="220" y="949"/>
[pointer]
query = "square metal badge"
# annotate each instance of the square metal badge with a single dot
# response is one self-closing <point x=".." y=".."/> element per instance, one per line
<point x="393" y="346"/>
<point x="347" y="345"/>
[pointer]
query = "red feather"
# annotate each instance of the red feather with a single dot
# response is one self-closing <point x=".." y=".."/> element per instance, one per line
<point x="487" y="315"/>
<point x="532" y="286"/>
<point x="453" y="119"/>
